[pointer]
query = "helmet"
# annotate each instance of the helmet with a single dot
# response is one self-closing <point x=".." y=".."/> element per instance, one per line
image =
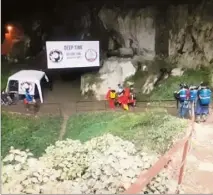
<point x="186" y="86"/>
<point x="181" y="85"/>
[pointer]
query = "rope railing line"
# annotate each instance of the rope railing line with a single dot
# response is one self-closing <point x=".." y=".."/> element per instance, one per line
<point x="145" y="177"/>
<point x="138" y="101"/>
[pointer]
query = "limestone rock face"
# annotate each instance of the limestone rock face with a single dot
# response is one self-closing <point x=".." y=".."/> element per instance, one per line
<point x="177" y="72"/>
<point x="113" y="72"/>
<point x="135" y="28"/>
<point x="190" y="32"/>
<point x="191" y="35"/>
<point x="133" y="33"/>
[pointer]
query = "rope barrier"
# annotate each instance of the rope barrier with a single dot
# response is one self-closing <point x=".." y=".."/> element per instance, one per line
<point x="145" y="177"/>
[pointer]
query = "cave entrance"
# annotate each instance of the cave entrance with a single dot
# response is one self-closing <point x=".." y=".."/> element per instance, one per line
<point x="66" y="84"/>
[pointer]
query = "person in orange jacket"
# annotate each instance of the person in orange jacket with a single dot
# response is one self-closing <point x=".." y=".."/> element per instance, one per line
<point x="110" y="96"/>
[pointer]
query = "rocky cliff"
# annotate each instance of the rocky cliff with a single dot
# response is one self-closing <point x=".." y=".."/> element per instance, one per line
<point x="180" y="34"/>
<point x="134" y="36"/>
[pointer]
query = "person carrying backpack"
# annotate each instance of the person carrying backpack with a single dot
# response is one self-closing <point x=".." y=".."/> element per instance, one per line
<point x="193" y="99"/>
<point x="183" y="97"/>
<point x="203" y="102"/>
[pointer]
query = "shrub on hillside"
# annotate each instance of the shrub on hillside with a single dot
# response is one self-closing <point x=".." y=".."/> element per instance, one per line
<point x="104" y="165"/>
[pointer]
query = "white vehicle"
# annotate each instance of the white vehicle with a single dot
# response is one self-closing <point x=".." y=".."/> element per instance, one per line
<point x="32" y="79"/>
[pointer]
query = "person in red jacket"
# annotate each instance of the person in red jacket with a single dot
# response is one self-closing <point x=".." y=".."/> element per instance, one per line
<point x="127" y="92"/>
<point x="124" y="101"/>
<point x="110" y="96"/>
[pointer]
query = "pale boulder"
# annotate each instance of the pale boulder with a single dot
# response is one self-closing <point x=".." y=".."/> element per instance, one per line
<point x="113" y="72"/>
<point x="150" y="83"/>
<point x="177" y="72"/>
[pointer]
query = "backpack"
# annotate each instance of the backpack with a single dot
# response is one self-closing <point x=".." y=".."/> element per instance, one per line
<point x="183" y="95"/>
<point x="205" y="96"/>
<point x="112" y="94"/>
<point x="193" y="95"/>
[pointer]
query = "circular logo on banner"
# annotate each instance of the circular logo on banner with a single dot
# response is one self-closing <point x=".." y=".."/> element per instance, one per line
<point x="91" y="55"/>
<point x="26" y="85"/>
<point x="56" y="56"/>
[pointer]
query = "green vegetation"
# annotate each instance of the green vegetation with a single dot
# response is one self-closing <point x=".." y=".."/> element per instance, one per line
<point x="166" y="88"/>
<point x="6" y="71"/>
<point x="150" y="130"/>
<point x="4" y="77"/>
<point x="28" y="133"/>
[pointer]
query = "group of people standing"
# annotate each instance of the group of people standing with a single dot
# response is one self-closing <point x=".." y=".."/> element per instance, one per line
<point x="122" y="97"/>
<point x="194" y="99"/>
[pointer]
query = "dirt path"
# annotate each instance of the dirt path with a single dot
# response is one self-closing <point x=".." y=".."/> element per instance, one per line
<point x="63" y="127"/>
<point x="198" y="176"/>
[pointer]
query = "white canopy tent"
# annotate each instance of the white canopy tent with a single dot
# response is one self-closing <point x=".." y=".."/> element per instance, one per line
<point x="28" y="79"/>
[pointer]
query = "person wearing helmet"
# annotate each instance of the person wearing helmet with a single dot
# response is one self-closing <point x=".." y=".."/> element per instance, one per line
<point x="120" y="90"/>
<point x="132" y="96"/>
<point x="193" y="99"/>
<point x="183" y="96"/>
<point x="203" y="102"/>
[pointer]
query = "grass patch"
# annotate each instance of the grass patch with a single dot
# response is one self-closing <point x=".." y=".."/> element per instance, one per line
<point x="28" y="133"/>
<point x="167" y="87"/>
<point x="150" y="130"/>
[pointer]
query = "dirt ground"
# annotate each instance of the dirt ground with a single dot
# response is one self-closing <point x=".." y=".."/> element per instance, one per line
<point x="199" y="170"/>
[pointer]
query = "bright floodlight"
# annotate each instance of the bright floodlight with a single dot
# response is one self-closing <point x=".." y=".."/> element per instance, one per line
<point x="9" y="28"/>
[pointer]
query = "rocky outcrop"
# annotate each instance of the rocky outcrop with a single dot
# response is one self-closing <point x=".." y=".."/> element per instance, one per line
<point x="185" y="31"/>
<point x="114" y="71"/>
<point x="191" y="35"/>
<point x="188" y="30"/>
<point x="134" y="29"/>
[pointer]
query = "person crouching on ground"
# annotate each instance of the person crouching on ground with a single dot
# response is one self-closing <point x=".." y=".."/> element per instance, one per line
<point x="110" y="96"/>
<point x="203" y="102"/>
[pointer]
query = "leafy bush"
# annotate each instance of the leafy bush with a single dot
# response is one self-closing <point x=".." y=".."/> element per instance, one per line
<point x="24" y="132"/>
<point x="153" y="130"/>
<point x="103" y="165"/>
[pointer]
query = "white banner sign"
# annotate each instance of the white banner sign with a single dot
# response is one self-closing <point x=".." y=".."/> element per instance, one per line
<point x="72" y="54"/>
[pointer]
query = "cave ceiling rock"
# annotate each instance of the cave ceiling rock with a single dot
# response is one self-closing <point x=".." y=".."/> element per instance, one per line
<point x="191" y="36"/>
<point x="132" y="28"/>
